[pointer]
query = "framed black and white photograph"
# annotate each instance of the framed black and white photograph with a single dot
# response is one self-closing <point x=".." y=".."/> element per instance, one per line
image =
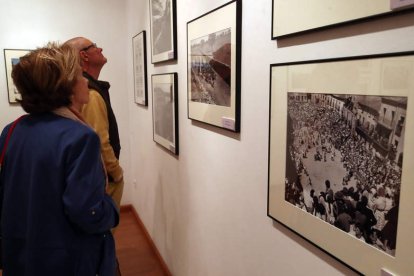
<point x="165" y="110"/>
<point x="340" y="159"/>
<point x="214" y="67"/>
<point x="163" y="22"/>
<point x="11" y="58"/>
<point x="140" y="69"/>
<point x="319" y="14"/>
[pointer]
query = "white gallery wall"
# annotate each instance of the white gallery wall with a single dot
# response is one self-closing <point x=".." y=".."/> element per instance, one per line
<point x="206" y="208"/>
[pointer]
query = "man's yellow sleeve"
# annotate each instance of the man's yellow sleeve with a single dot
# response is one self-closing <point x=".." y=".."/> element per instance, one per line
<point x="96" y="115"/>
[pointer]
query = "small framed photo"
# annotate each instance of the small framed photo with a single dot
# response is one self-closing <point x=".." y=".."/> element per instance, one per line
<point x="340" y="157"/>
<point x="11" y="58"/>
<point x="140" y="69"/>
<point x="165" y="110"/>
<point x="163" y="23"/>
<point x="214" y="67"/>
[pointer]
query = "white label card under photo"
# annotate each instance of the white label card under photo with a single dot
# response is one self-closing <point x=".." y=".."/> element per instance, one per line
<point x="228" y="123"/>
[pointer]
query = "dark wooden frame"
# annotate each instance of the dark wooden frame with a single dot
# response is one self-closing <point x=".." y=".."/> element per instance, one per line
<point x="170" y="54"/>
<point x="384" y="13"/>
<point x="174" y="146"/>
<point x="345" y="248"/>
<point x="226" y="117"/>
<point x="143" y="64"/>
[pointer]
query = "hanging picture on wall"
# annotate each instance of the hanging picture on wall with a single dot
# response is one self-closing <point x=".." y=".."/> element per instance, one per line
<point x="163" y="30"/>
<point x="140" y="69"/>
<point x="318" y="14"/>
<point x="340" y="157"/>
<point x="11" y="58"/>
<point x="213" y="64"/>
<point x="165" y="110"/>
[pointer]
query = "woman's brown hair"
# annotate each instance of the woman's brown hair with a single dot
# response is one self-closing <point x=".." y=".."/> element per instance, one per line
<point x="46" y="76"/>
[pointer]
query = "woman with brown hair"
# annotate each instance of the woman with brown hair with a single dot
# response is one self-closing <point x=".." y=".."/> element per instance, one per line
<point x="55" y="214"/>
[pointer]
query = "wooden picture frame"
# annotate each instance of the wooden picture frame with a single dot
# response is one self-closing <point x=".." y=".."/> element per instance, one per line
<point x="139" y="51"/>
<point x="11" y="57"/>
<point x="214" y="67"/>
<point x="318" y="14"/>
<point x="165" y="110"/>
<point x="163" y="21"/>
<point x="347" y="121"/>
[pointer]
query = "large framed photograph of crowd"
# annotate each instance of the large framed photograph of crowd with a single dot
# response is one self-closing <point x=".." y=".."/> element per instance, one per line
<point x="11" y="58"/>
<point x="214" y="67"/>
<point x="165" y="110"/>
<point x="163" y="21"/>
<point x="319" y="14"/>
<point x="340" y="157"/>
<point x="140" y="68"/>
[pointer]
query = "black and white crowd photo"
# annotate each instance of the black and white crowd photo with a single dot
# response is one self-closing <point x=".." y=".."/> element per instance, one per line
<point x="344" y="160"/>
<point x="211" y="68"/>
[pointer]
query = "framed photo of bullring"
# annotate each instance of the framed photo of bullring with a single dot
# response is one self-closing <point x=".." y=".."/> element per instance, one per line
<point x="340" y="157"/>
<point x="11" y="58"/>
<point x="163" y="21"/>
<point x="214" y="67"/>
<point x="165" y="110"/>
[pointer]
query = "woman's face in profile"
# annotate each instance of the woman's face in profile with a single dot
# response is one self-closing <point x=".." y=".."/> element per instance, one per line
<point x="80" y="91"/>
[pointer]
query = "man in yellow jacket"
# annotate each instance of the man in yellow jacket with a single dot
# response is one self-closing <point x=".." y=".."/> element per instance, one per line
<point x="99" y="115"/>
